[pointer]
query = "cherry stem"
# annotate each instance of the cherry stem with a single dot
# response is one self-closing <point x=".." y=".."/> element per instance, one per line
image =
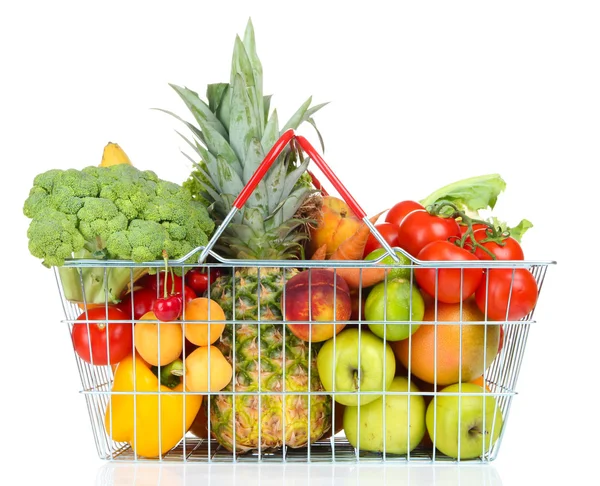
<point x="165" y="257"/>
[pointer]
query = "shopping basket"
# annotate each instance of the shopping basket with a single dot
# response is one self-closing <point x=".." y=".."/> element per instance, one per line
<point x="154" y="415"/>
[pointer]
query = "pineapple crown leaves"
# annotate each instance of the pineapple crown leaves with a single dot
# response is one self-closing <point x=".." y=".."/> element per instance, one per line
<point x="232" y="134"/>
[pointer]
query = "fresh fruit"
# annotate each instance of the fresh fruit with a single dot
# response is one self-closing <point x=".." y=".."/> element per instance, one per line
<point x="388" y="231"/>
<point x="356" y="360"/>
<point x="461" y="414"/>
<point x="136" y="303"/>
<point x="335" y="223"/>
<point x="113" y="154"/>
<point x="168" y="308"/>
<point x="404" y="263"/>
<point x="208" y="329"/>
<point x="420" y="228"/>
<point x="158" y="343"/>
<point x="103" y="342"/>
<point x="197" y="366"/>
<point x="445" y="353"/>
<point x="394" y="300"/>
<point x="174" y="283"/>
<point x="235" y="131"/>
<point x="314" y="300"/>
<point x="404" y="421"/>
<point x="400" y="210"/>
<point x="338" y="420"/>
<point x="448" y="285"/>
<point x="507" y="294"/>
<point x="197" y="280"/>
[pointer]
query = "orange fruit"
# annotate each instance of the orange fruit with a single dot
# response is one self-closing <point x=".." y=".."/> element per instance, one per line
<point x="448" y="353"/>
<point x="199" y="324"/>
<point x="480" y="380"/>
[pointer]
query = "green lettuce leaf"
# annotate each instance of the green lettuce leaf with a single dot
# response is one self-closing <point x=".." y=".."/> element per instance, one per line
<point x="470" y="195"/>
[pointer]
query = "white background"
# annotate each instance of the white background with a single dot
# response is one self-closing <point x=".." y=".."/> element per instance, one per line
<point x="421" y="95"/>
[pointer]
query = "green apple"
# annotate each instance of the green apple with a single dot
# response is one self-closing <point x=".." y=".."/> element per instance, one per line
<point x="394" y="300"/>
<point x="403" y="272"/>
<point x="402" y="432"/>
<point x="471" y="417"/>
<point x="340" y="366"/>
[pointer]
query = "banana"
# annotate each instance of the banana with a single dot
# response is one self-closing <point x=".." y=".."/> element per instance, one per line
<point x="113" y="155"/>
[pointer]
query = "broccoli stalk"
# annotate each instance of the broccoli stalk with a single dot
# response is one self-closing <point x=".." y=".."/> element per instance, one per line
<point x="97" y="285"/>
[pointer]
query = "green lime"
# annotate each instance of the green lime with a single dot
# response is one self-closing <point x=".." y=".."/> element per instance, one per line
<point x="404" y="264"/>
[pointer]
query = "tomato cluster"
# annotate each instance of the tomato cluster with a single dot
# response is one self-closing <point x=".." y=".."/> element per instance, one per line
<point x="434" y="235"/>
<point x="102" y="335"/>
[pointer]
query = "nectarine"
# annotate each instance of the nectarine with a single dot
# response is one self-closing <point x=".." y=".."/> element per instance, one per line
<point x="310" y="299"/>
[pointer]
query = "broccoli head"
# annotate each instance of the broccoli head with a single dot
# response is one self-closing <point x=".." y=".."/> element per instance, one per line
<point x="117" y="212"/>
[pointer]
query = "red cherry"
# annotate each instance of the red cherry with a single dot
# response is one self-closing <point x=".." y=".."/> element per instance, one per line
<point x="168" y="308"/>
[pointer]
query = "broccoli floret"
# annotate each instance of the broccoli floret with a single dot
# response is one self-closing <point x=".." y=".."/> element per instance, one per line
<point x="99" y="219"/>
<point x="117" y="212"/>
<point x="142" y="241"/>
<point x="53" y="236"/>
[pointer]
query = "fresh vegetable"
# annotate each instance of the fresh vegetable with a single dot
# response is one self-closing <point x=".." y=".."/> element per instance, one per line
<point x="117" y="212"/>
<point x="353" y="249"/>
<point x="400" y="210"/>
<point x="470" y="195"/>
<point x="500" y="247"/>
<point x="421" y="228"/>
<point x="103" y="342"/>
<point x="388" y="231"/>
<point x="507" y="294"/>
<point x="449" y="285"/>
<point x="320" y="253"/>
<point x="150" y="422"/>
<point x="113" y="154"/>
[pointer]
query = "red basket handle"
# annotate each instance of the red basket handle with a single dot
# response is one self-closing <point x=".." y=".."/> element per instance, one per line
<point x="264" y="167"/>
<point x="275" y="151"/>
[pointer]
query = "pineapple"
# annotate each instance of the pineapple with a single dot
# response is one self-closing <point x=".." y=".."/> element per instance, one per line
<point x="233" y="135"/>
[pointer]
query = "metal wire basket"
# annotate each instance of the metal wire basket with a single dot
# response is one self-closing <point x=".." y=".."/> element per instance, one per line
<point x="281" y="418"/>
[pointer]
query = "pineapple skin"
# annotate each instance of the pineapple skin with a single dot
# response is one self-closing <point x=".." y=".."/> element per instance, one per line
<point x="262" y="346"/>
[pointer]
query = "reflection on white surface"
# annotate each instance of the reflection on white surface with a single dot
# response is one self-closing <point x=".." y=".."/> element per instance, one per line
<point x="117" y="474"/>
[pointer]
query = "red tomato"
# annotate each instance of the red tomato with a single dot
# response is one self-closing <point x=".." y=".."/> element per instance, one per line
<point x="389" y="232"/>
<point x="400" y="210"/>
<point x="106" y="339"/>
<point x="143" y="300"/>
<point x="421" y="228"/>
<point x="510" y="250"/>
<point x="504" y="302"/>
<point x="453" y="284"/>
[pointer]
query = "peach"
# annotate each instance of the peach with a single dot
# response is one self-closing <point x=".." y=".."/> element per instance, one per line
<point x="335" y="224"/>
<point x="327" y="293"/>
